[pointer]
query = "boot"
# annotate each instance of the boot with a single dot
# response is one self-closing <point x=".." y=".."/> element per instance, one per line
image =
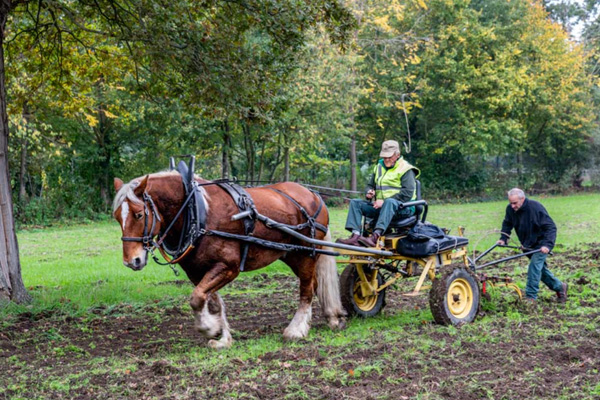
<point x="562" y="294"/>
<point x="351" y="241"/>
<point x="370" y="241"/>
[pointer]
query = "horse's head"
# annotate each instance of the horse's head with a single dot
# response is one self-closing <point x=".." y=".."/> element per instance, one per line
<point x="140" y="221"/>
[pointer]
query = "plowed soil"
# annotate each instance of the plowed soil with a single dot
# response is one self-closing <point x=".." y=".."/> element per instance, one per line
<point x="510" y="351"/>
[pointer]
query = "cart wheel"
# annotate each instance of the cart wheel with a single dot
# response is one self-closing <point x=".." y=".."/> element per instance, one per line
<point x="352" y="297"/>
<point x="454" y="297"/>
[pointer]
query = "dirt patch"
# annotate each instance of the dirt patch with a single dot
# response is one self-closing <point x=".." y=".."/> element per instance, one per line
<point x="546" y="353"/>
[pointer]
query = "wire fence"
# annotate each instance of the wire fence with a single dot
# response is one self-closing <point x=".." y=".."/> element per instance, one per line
<point x="322" y="190"/>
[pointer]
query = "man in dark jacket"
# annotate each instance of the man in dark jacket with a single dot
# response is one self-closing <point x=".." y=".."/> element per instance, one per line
<point x="536" y="230"/>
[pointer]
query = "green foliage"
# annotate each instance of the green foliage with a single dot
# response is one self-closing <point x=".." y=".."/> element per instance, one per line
<point x="117" y="98"/>
<point x="493" y="93"/>
<point x="494" y="86"/>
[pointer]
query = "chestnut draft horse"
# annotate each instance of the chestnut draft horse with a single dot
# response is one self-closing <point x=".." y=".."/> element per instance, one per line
<point x="147" y="206"/>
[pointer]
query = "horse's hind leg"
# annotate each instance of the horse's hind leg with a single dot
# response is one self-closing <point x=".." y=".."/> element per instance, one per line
<point x="318" y="275"/>
<point x="304" y="267"/>
<point x="328" y="290"/>
<point x="300" y="325"/>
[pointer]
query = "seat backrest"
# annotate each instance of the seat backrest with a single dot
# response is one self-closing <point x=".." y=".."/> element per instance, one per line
<point x="418" y="209"/>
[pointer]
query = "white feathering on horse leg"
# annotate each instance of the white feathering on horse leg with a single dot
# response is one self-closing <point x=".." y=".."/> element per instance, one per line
<point x="328" y="289"/>
<point x="300" y="325"/>
<point x="206" y="323"/>
<point x="226" y="339"/>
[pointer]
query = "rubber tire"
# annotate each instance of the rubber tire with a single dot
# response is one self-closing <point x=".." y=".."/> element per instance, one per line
<point x="348" y="281"/>
<point x="438" y="296"/>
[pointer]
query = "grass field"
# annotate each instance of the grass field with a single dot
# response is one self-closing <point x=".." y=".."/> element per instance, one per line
<point x="97" y="329"/>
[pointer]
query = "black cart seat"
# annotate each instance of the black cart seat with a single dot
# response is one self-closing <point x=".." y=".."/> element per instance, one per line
<point x="424" y="248"/>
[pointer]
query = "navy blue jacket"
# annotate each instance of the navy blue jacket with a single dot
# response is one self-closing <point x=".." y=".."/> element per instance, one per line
<point x="532" y="223"/>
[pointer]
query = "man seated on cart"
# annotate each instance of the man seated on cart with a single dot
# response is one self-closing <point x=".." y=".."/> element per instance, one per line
<point x="392" y="183"/>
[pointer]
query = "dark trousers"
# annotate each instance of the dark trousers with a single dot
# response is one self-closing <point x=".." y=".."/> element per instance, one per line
<point x="384" y="215"/>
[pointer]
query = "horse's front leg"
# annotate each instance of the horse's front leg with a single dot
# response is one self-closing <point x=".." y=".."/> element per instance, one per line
<point x="300" y="325"/>
<point x="208" y="307"/>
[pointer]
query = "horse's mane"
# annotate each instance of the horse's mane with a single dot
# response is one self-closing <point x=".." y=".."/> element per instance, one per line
<point x="126" y="191"/>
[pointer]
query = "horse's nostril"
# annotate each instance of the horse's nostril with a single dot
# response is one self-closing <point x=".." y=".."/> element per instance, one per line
<point x="137" y="261"/>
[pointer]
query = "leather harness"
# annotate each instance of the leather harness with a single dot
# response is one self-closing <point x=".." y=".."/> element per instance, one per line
<point x="194" y="215"/>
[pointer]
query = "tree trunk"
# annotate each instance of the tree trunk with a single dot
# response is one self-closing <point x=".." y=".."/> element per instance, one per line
<point x="103" y="140"/>
<point x="286" y="169"/>
<point x="23" y="163"/>
<point x="353" y="163"/>
<point x="249" y="147"/>
<point x="360" y="7"/>
<point x="519" y="169"/>
<point x="11" y="282"/>
<point x="261" y="162"/>
<point x="225" y="151"/>
<point x="278" y="158"/>
<point x="23" y="172"/>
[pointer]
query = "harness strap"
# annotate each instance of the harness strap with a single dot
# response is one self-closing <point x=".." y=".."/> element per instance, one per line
<point x="194" y="221"/>
<point x="311" y="221"/>
<point x="164" y="235"/>
<point x="174" y="260"/>
<point x="147" y="235"/>
<point x="243" y="201"/>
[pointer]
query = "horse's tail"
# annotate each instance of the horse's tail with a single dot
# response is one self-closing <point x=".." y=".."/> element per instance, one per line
<point x="328" y="288"/>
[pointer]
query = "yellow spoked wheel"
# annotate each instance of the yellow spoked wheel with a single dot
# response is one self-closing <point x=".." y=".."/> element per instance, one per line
<point x="454" y="296"/>
<point x="360" y="297"/>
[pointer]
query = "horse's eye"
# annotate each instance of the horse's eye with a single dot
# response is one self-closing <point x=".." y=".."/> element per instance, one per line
<point x="139" y="215"/>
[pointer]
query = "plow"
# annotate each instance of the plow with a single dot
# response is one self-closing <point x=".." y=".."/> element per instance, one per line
<point x="441" y="266"/>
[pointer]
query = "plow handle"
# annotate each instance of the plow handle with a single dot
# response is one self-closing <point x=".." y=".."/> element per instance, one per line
<point x="495" y="262"/>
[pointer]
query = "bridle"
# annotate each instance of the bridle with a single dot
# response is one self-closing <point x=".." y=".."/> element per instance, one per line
<point x="148" y="237"/>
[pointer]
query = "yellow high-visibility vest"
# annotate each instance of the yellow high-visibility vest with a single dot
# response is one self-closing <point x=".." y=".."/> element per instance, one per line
<point x="388" y="182"/>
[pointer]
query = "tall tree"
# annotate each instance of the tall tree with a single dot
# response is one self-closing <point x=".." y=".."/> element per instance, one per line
<point x="11" y="283"/>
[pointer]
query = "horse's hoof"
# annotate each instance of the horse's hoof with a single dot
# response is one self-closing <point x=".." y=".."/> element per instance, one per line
<point x="338" y="324"/>
<point x="288" y="338"/>
<point x="218" y="344"/>
<point x="292" y="335"/>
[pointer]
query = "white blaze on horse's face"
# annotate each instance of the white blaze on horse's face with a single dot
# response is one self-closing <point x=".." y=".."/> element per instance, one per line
<point x="131" y="217"/>
<point x="124" y="213"/>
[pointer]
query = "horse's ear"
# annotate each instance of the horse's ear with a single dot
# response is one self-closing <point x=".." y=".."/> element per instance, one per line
<point x="139" y="190"/>
<point x="118" y="184"/>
